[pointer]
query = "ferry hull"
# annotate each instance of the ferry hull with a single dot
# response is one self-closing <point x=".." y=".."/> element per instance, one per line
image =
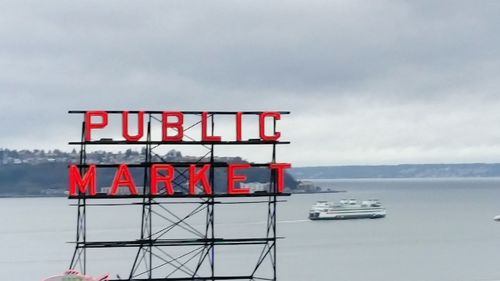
<point x="323" y="216"/>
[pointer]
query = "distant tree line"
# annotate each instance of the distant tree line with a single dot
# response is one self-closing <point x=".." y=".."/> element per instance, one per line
<point x="26" y="179"/>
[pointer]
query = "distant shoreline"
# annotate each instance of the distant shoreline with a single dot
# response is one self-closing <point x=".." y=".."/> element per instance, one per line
<point x="472" y="170"/>
<point x="30" y="196"/>
<point x="313" y="180"/>
<point x="323" y="191"/>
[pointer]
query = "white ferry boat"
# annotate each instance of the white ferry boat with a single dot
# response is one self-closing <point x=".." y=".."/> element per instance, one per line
<point x="347" y="209"/>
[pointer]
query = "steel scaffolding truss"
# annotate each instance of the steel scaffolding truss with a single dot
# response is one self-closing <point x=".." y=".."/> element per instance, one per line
<point x="159" y="255"/>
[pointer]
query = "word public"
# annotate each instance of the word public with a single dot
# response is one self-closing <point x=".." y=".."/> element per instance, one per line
<point x="162" y="175"/>
<point x="174" y="120"/>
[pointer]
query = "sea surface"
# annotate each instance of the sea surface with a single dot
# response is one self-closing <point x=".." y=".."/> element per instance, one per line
<point x="435" y="230"/>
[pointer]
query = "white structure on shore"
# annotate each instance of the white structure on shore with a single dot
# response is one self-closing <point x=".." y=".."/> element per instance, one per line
<point x="122" y="190"/>
<point x="257" y="186"/>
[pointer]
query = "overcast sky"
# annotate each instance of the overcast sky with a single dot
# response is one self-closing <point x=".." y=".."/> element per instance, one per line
<point x="367" y="82"/>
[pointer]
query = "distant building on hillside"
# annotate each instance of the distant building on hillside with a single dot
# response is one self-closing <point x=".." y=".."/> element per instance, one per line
<point x="307" y="186"/>
<point x="122" y="190"/>
<point x="256" y="186"/>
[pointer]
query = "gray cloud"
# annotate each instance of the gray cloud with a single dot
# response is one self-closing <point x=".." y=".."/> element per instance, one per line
<point x="368" y="82"/>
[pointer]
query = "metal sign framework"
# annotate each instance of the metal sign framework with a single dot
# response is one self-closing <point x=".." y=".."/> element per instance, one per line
<point x="195" y="255"/>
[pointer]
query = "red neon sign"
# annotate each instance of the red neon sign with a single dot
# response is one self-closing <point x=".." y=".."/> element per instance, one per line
<point x="83" y="179"/>
<point x="174" y="121"/>
<point x="86" y="183"/>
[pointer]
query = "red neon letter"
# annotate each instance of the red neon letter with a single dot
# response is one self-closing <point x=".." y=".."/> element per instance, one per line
<point x="232" y="178"/>
<point x="177" y="125"/>
<point x="204" y="126"/>
<point x="238" y="126"/>
<point x="280" y="169"/>
<point x="194" y="178"/>
<point x="262" y="121"/>
<point x="89" y="125"/>
<point x="123" y="178"/>
<point x="140" y="126"/>
<point x="156" y="178"/>
<point x="89" y="179"/>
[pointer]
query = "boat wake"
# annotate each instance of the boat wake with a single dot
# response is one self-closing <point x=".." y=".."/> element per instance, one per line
<point x="293" y="221"/>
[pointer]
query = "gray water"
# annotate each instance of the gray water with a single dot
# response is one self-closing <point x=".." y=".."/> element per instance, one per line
<point x="435" y="230"/>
